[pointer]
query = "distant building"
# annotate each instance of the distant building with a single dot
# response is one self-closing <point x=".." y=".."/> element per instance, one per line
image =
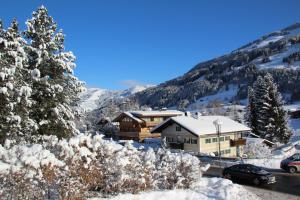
<point x="199" y="134"/>
<point x="251" y="137"/>
<point x="136" y="125"/>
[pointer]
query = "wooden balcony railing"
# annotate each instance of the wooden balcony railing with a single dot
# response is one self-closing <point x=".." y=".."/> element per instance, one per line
<point x="237" y="142"/>
<point x="151" y="124"/>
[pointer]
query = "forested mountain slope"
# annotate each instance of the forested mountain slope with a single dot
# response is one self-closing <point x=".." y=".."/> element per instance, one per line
<point x="277" y="53"/>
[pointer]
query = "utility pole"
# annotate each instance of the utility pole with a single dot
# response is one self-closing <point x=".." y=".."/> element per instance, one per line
<point x="218" y="125"/>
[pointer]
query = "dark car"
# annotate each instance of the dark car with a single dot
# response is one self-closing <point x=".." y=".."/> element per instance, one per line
<point x="291" y="164"/>
<point x="248" y="173"/>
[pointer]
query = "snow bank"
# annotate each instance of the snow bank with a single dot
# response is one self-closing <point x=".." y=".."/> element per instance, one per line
<point x="207" y="188"/>
<point x="273" y="161"/>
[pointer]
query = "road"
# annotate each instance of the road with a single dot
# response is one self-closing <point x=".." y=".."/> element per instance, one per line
<point x="285" y="182"/>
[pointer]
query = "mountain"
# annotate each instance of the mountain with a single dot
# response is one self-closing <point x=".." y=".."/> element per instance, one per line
<point x="97" y="103"/>
<point x="135" y="89"/>
<point x="95" y="98"/>
<point x="91" y="98"/>
<point x="226" y="78"/>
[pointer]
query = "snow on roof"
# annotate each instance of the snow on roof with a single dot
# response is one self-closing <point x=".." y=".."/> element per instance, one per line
<point x="156" y="113"/>
<point x="133" y="117"/>
<point x="255" y="140"/>
<point x="136" y="115"/>
<point x="204" y="125"/>
<point x="251" y="137"/>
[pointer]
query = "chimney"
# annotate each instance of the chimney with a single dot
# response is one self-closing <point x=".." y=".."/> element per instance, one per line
<point x="187" y="114"/>
<point x="197" y="115"/>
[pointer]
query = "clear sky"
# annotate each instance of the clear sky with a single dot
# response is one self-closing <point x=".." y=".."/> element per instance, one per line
<point x="119" y="43"/>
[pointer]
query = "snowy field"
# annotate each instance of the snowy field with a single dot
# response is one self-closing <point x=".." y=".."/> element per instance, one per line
<point x="206" y="188"/>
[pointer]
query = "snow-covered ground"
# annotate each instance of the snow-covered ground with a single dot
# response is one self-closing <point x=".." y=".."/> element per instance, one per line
<point x="276" y="60"/>
<point x="224" y="96"/>
<point x="205" y="189"/>
<point x="271" y="38"/>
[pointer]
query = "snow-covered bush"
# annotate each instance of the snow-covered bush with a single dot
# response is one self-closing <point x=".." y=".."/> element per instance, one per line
<point x="257" y="150"/>
<point x="72" y="169"/>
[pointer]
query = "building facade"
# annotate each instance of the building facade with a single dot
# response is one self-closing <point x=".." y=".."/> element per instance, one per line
<point x="200" y="135"/>
<point x="136" y="125"/>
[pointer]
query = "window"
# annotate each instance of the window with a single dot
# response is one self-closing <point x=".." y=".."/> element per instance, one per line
<point x="243" y="168"/>
<point x="215" y="140"/>
<point x="296" y="157"/>
<point x="157" y="119"/>
<point x="193" y="141"/>
<point x="178" y="128"/>
<point x="152" y="119"/>
<point x="187" y="140"/>
<point x="227" y="151"/>
<point x="221" y="139"/>
<point x="126" y="119"/>
<point x="169" y="139"/>
<point x="222" y="152"/>
<point x="146" y="119"/>
<point x="208" y="140"/>
<point x="227" y="138"/>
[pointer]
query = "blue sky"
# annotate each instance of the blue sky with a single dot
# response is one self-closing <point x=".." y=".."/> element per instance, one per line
<point x="120" y="43"/>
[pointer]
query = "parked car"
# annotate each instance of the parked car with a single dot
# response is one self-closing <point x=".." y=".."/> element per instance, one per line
<point x="249" y="173"/>
<point x="291" y="164"/>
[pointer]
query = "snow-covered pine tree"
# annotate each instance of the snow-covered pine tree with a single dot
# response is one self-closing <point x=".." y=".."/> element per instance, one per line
<point x="15" y="91"/>
<point x="261" y="106"/>
<point x="55" y="88"/>
<point x="277" y="129"/>
<point x="266" y="115"/>
<point x="5" y="106"/>
<point x="250" y="116"/>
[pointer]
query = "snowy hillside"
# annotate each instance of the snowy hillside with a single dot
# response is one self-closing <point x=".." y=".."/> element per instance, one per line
<point x="135" y="89"/>
<point x="94" y="98"/>
<point x="90" y="99"/>
<point x="227" y="78"/>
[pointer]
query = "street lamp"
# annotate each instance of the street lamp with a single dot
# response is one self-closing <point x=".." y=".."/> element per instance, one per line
<point x="218" y="125"/>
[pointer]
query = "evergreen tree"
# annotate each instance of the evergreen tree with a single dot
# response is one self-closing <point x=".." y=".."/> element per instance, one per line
<point x="15" y="92"/>
<point x="277" y="127"/>
<point x="265" y="113"/>
<point x="250" y="116"/>
<point x="54" y="88"/>
<point x="261" y="107"/>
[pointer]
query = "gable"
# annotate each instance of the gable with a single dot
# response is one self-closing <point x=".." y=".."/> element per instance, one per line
<point x="169" y="123"/>
<point x="127" y="115"/>
<point x="177" y="129"/>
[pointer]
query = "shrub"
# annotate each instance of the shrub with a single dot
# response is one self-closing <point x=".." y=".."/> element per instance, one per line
<point x="82" y="165"/>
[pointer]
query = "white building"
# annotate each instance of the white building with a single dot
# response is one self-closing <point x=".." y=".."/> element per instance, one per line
<point x="201" y="135"/>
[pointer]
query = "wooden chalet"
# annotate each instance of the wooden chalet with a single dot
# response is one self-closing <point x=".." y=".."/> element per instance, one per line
<point x="136" y="125"/>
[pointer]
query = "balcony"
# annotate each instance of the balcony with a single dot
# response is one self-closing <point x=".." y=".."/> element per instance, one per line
<point x="237" y="142"/>
<point x="176" y="146"/>
<point x="152" y="124"/>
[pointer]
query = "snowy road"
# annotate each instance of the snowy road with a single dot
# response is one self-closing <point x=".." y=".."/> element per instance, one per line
<point x="286" y="183"/>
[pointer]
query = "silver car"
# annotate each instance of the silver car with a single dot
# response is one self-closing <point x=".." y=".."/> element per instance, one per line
<point x="291" y="164"/>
